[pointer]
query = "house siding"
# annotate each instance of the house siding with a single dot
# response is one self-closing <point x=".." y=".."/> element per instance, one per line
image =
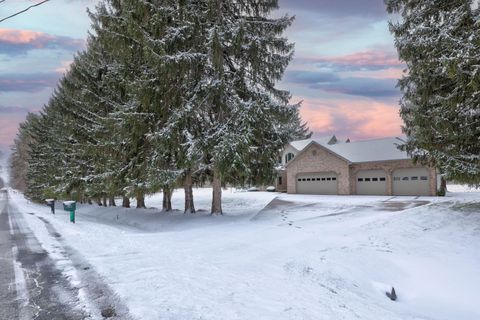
<point x="318" y="159"/>
<point x="389" y="167"/>
<point x="281" y="187"/>
<point x="288" y="149"/>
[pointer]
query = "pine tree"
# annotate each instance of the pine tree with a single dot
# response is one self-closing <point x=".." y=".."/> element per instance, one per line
<point x="439" y="41"/>
<point x="243" y="117"/>
<point x="20" y="155"/>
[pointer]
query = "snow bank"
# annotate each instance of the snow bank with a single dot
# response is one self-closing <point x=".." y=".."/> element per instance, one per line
<point x="302" y="257"/>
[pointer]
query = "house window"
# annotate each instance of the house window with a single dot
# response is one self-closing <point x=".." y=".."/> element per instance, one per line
<point x="333" y="179"/>
<point x="424" y="178"/>
<point x="304" y="179"/>
<point x="383" y="179"/>
<point x="367" y="179"/>
<point x="360" y="179"/>
<point x="328" y="179"/>
<point x="405" y="179"/>
<point x="289" y="156"/>
<point x="374" y="179"/>
<point x="318" y="179"/>
<point x="414" y="178"/>
<point x="308" y="179"/>
<point x="323" y="179"/>
<point x="299" y="179"/>
<point x="279" y="180"/>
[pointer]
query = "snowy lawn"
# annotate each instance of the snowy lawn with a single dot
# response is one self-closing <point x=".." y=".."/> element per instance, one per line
<point x="302" y="257"/>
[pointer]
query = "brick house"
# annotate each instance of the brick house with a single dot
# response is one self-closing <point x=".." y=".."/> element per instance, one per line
<point x="371" y="167"/>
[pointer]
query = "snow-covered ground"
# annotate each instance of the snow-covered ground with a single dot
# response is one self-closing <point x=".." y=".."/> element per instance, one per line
<point x="302" y="257"/>
<point x="3" y="166"/>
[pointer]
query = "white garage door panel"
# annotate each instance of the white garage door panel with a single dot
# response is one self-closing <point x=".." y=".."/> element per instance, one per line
<point x="372" y="182"/>
<point x="411" y="182"/>
<point x="317" y="183"/>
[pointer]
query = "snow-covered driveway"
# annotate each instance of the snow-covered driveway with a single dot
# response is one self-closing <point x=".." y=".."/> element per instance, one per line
<point x="302" y="257"/>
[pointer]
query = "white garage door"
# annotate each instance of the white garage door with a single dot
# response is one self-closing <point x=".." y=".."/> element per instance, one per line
<point x="372" y="182"/>
<point x="317" y="183"/>
<point x="411" y="182"/>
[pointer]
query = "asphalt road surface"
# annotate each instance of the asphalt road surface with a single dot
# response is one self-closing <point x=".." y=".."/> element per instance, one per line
<point x="33" y="286"/>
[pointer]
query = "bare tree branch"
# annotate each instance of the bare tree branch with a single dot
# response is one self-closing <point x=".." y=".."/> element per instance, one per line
<point x="22" y="11"/>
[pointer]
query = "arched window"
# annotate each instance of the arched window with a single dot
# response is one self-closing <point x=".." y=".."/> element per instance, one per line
<point x="289" y="156"/>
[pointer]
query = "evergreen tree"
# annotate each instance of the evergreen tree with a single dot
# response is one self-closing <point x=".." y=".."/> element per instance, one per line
<point x="439" y="41"/>
<point x="20" y="155"/>
<point x="243" y="116"/>
<point x="167" y="94"/>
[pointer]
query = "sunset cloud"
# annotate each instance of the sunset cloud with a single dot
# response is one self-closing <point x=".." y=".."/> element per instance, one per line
<point x="362" y="119"/>
<point x="333" y="83"/>
<point x="15" y="42"/>
<point x="345" y="65"/>
<point x="365" y="87"/>
<point x="28" y="82"/>
<point x="340" y="8"/>
<point x="358" y="61"/>
<point x="8" y="127"/>
<point x="9" y="110"/>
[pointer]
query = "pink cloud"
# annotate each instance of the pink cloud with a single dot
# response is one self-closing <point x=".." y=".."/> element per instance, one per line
<point x="390" y="73"/>
<point x="9" y="126"/>
<point x="355" y="119"/>
<point x="364" y="60"/>
<point x="14" y="41"/>
<point x="13" y="36"/>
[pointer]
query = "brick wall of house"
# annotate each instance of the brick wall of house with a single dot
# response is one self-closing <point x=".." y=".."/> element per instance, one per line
<point x="389" y="167"/>
<point x="283" y="186"/>
<point x="318" y="159"/>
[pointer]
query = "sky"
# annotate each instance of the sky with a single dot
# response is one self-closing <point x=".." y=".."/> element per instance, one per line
<point x="344" y="70"/>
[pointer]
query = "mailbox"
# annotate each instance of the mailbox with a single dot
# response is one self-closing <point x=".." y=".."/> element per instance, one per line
<point x="70" y="206"/>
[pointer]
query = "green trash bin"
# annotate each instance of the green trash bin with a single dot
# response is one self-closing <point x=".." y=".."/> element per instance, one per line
<point x="70" y="206"/>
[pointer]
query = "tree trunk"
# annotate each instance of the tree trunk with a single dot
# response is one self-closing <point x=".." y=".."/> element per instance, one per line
<point x="89" y="201"/>
<point x="167" y="199"/>
<point x="126" y="202"/>
<point x="104" y="201"/>
<point x="443" y="186"/>
<point x="217" y="193"/>
<point x="99" y="202"/>
<point x="111" y="201"/>
<point x="188" y="186"/>
<point x="141" y="200"/>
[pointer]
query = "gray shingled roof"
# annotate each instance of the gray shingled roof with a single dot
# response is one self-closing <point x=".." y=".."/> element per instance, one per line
<point x="360" y="151"/>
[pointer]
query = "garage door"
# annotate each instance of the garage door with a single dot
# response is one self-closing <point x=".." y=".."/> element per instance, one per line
<point x="372" y="182"/>
<point x="317" y="183"/>
<point x="411" y="182"/>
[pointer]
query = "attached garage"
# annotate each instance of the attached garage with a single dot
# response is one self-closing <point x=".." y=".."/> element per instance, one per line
<point x="372" y="182"/>
<point x="317" y="183"/>
<point x="411" y="182"/>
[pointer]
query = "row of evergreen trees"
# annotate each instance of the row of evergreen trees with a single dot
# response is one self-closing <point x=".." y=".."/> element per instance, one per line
<point x="167" y="94"/>
<point x="440" y="43"/>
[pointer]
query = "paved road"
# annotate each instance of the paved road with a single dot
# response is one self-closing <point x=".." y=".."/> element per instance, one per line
<point x="33" y="287"/>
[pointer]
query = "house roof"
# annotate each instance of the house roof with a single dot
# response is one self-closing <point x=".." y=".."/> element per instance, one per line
<point x="301" y="144"/>
<point x="360" y="151"/>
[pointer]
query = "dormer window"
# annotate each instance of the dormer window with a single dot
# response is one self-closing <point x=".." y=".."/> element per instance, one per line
<point x="289" y="156"/>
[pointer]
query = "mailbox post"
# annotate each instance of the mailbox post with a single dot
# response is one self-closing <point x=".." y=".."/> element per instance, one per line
<point x="70" y="206"/>
<point x="51" y="204"/>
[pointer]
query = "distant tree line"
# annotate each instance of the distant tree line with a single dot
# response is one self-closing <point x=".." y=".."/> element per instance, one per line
<point x="440" y="43"/>
<point x="167" y="94"/>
